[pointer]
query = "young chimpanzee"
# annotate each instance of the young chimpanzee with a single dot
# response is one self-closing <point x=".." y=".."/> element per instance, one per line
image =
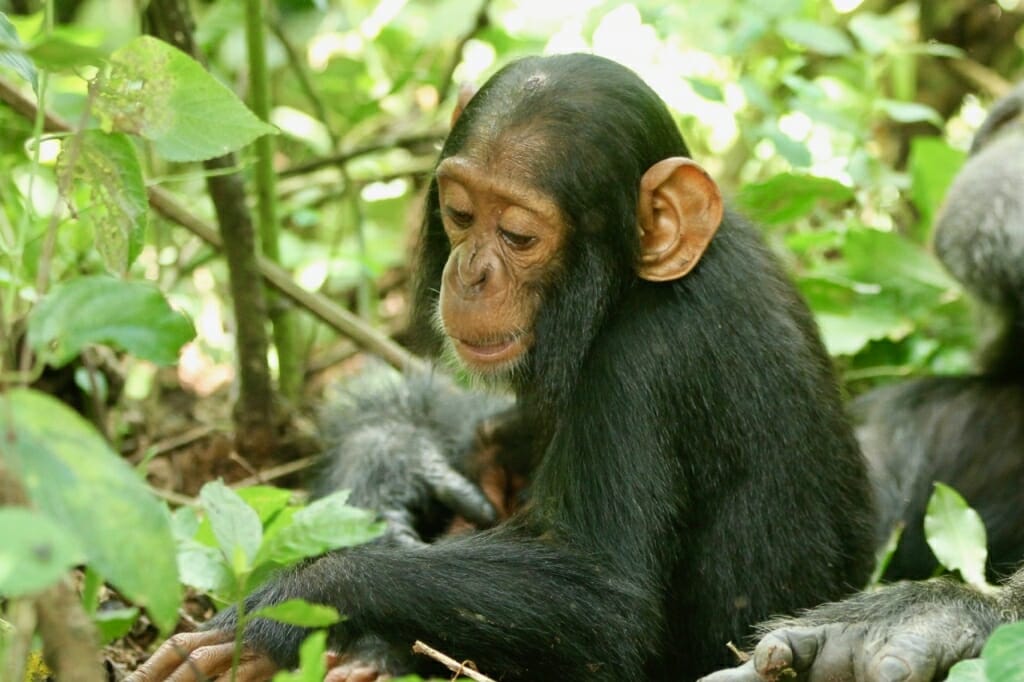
<point x="967" y="431"/>
<point x="695" y="471"/>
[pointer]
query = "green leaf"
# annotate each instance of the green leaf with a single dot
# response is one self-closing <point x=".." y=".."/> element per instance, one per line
<point x="14" y="58"/>
<point x="1004" y="653"/>
<point x="117" y="206"/>
<point x="205" y="568"/>
<point x="312" y="661"/>
<point x="908" y="112"/>
<point x="892" y="260"/>
<point x="707" y="89"/>
<point x="326" y="524"/>
<point x="933" y="165"/>
<point x="235" y="524"/>
<point x="971" y="670"/>
<point x="818" y="38"/>
<point x="848" y="333"/>
<point x="115" y="623"/>
<point x="300" y="612"/>
<point x="35" y="552"/>
<point x="956" y="534"/>
<point x="266" y="500"/>
<point x="133" y="316"/>
<point x="157" y="91"/>
<point x="62" y="50"/>
<point x="73" y="477"/>
<point x="788" y="196"/>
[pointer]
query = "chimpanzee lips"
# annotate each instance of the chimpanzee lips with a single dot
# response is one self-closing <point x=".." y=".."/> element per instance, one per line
<point x="489" y="354"/>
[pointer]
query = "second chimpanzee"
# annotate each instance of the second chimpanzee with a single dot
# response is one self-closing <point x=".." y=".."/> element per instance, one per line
<point x="965" y="430"/>
<point x="694" y="469"/>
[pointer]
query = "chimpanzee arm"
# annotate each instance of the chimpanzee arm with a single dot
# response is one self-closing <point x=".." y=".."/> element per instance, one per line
<point x="406" y="449"/>
<point x="521" y="606"/>
<point x="911" y="632"/>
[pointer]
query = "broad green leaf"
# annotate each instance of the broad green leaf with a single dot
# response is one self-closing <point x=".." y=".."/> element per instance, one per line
<point x="11" y="54"/>
<point x="205" y="568"/>
<point x="115" y="623"/>
<point x="312" y="661"/>
<point x="235" y="524"/>
<point x="933" y="165"/>
<point x="956" y="534"/>
<point x="133" y="316"/>
<point x="266" y="500"/>
<point x="971" y="670"/>
<point x="908" y="112"/>
<point x="35" y="552"/>
<point x="889" y="259"/>
<point x="300" y="612"/>
<point x="74" y="478"/>
<point x="848" y="333"/>
<point x="707" y="89"/>
<point x="157" y="91"/>
<point x="116" y="205"/>
<point x="1004" y="653"/>
<point x="184" y="523"/>
<point x="794" y="151"/>
<point x="788" y="196"/>
<point x="818" y="38"/>
<point x="326" y="524"/>
<point x="62" y="49"/>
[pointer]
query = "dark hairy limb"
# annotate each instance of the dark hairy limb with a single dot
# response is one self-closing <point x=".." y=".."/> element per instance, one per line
<point x="909" y="632"/>
<point x="409" y="450"/>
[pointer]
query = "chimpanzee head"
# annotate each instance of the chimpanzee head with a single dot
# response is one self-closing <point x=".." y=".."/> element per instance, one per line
<point x="564" y="181"/>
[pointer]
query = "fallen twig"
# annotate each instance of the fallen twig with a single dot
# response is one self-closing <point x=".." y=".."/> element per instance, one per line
<point x="450" y="663"/>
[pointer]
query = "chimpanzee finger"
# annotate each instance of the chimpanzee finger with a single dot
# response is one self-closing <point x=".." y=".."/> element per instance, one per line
<point x="258" y="669"/>
<point x="355" y="672"/>
<point x="459" y="494"/>
<point x="906" y="657"/>
<point x="400" y="527"/>
<point x="204" y="663"/>
<point x="175" y="652"/>
<point x="785" y="649"/>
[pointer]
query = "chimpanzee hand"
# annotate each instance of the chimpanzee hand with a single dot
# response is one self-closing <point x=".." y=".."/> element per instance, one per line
<point x="854" y="652"/>
<point x="410" y="482"/>
<point x="410" y="452"/>
<point x="905" y="633"/>
<point x="194" y="656"/>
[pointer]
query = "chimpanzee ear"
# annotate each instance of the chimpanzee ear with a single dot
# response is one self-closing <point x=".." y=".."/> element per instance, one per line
<point x="466" y="92"/>
<point x="679" y="212"/>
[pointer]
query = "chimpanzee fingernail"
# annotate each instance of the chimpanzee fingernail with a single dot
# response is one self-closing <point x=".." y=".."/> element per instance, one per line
<point x="893" y="669"/>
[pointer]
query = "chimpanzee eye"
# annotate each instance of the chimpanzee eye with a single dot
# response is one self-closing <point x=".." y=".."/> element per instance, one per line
<point x="460" y="218"/>
<point x="516" y="240"/>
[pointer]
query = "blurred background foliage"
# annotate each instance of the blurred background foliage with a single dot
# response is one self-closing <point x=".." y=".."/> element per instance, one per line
<point x="836" y="124"/>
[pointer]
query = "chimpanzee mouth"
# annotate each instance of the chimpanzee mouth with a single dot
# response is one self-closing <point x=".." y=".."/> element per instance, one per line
<point x="490" y="354"/>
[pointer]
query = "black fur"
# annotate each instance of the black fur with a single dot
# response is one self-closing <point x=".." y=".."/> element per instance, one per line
<point x="697" y="474"/>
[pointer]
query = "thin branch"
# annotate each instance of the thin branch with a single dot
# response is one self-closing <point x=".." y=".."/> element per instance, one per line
<point x="327" y="311"/>
<point x="450" y="663"/>
<point x="289" y="375"/>
<point x="481" y="22"/>
<point x="343" y="157"/>
<point x="276" y="472"/>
